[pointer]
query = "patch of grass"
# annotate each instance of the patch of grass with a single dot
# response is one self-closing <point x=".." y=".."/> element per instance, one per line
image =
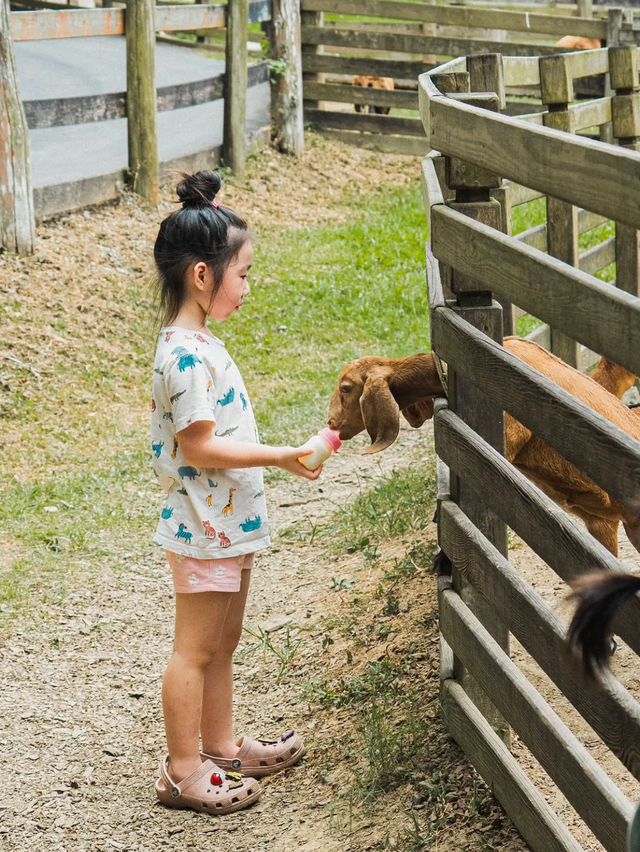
<point x="399" y="503"/>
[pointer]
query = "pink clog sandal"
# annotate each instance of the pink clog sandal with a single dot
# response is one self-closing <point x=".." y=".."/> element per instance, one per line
<point x="258" y="758"/>
<point x="208" y="789"/>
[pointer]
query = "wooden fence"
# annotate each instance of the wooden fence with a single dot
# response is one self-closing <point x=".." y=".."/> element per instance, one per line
<point x="406" y="40"/>
<point x="481" y="165"/>
<point x="232" y="85"/>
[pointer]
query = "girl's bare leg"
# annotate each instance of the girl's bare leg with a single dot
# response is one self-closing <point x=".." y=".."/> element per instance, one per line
<point x="216" y="723"/>
<point x="199" y="638"/>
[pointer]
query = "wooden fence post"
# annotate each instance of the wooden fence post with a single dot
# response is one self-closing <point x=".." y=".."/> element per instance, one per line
<point x="312" y="19"/>
<point x="625" y="118"/>
<point x="585" y="8"/>
<point x="286" y="77"/>
<point x="562" y="218"/>
<point x="17" y="221"/>
<point x="486" y="74"/>
<point x="141" y="98"/>
<point x="234" y="146"/>
<point x="472" y="185"/>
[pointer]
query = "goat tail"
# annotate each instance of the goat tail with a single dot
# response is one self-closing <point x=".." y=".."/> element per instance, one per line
<point x="598" y="595"/>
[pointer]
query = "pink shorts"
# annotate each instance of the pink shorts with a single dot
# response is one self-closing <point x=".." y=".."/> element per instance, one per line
<point x="208" y="575"/>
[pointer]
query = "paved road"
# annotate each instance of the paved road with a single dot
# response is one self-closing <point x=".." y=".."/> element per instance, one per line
<point x="59" y="68"/>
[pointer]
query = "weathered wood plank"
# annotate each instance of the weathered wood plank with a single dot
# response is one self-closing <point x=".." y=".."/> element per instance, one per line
<point x="17" y="221"/>
<point x="362" y="121"/>
<point x="68" y="23"/>
<point x="591" y="174"/>
<point x="585" y="784"/>
<point x="415" y="44"/>
<point x="410" y="145"/>
<point x="598" y="257"/>
<point x="317" y="63"/>
<point x="142" y="130"/>
<point x="341" y="93"/>
<point x="584" y="437"/>
<point x="235" y="90"/>
<point x="609" y="708"/>
<point x="466" y="17"/>
<point x="84" y="109"/>
<point x="603" y="318"/>
<point x="530" y="812"/>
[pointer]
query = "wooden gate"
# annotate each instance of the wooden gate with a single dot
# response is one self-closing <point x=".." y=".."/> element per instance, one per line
<point x="481" y="163"/>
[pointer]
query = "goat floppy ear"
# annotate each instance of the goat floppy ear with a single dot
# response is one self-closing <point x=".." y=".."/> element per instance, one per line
<point x="380" y="412"/>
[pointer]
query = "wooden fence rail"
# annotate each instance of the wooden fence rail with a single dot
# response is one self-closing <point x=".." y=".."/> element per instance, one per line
<point x="401" y="40"/>
<point x="473" y="257"/>
<point x="79" y="22"/>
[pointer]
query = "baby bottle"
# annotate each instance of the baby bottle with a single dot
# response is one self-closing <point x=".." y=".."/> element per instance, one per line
<point x="326" y="442"/>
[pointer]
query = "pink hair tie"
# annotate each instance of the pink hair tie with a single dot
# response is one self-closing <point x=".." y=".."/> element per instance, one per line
<point x="215" y="204"/>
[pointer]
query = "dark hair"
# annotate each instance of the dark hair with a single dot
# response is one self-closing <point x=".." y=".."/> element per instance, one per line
<point x="199" y="231"/>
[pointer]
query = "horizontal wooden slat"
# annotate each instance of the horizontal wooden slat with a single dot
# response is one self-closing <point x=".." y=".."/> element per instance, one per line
<point x="610" y="710"/>
<point x="69" y="23"/>
<point x="590" y="113"/>
<point x="89" y="108"/>
<point x="540" y="826"/>
<point x="590" y="174"/>
<point x="594" y="313"/>
<point x="519" y="194"/>
<point x="585" y="784"/>
<point x="598" y="257"/>
<point x="364" y="122"/>
<point x="359" y="95"/>
<point x="583" y="436"/>
<point x="409" y="145"/>
<point x="465" y="17"/>
<point x="416" y="45"/>
<point x="528" y="511"/>
<point x="521" y="71"/>
<point x="535" y="237"/>
<point x="318" y="63"/>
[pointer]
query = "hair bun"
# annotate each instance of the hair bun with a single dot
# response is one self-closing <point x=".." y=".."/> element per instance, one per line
<point x="199" y="189"/>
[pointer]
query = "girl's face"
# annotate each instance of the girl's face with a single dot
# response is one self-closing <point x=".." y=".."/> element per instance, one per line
<point x="234" y="285"/>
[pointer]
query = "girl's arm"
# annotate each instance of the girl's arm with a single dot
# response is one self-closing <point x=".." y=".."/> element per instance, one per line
<point x="202" y="448"/>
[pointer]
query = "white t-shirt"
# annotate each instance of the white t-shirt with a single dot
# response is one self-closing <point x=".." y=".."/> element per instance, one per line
<point x="209" y="513"/>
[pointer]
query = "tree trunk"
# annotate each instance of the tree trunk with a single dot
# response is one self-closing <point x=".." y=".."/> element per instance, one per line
<point x="286" y="77"/>
<point x="17" y="222"/>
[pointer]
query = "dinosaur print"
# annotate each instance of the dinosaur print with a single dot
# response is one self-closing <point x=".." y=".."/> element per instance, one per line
<point x="177" y="395"/>
<point x="251" y="524"/>
<point x="244" y="402"/>
<point x="228" y="398"/>
<point x="202" y="339"/>
<point x="168" y="416"/>
<point x="212" y="484"/>
<point x="188" y="361"/>
<point x="153" y="404"/>
<point x="174" y="451"/>
<point x="184" y="533"/>
<point x="168" y="336"/>
<point x="166" y="512"/>
<point x="157" y="448"/>
<point x="187" y="471"/>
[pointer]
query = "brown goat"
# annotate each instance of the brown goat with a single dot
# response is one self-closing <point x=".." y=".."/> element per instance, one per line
<point x="372" y="393"/>
<point x="579" y="42"/>
<point x="373" y="83"/>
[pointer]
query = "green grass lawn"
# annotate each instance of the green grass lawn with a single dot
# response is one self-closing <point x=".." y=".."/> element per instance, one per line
<point x="321" y="296"/>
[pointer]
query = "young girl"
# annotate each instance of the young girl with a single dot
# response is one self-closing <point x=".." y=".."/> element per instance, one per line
<point x="208" y="459"/>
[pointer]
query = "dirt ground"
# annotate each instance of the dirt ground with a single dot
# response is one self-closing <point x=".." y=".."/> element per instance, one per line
<point x="82" y="727"/>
